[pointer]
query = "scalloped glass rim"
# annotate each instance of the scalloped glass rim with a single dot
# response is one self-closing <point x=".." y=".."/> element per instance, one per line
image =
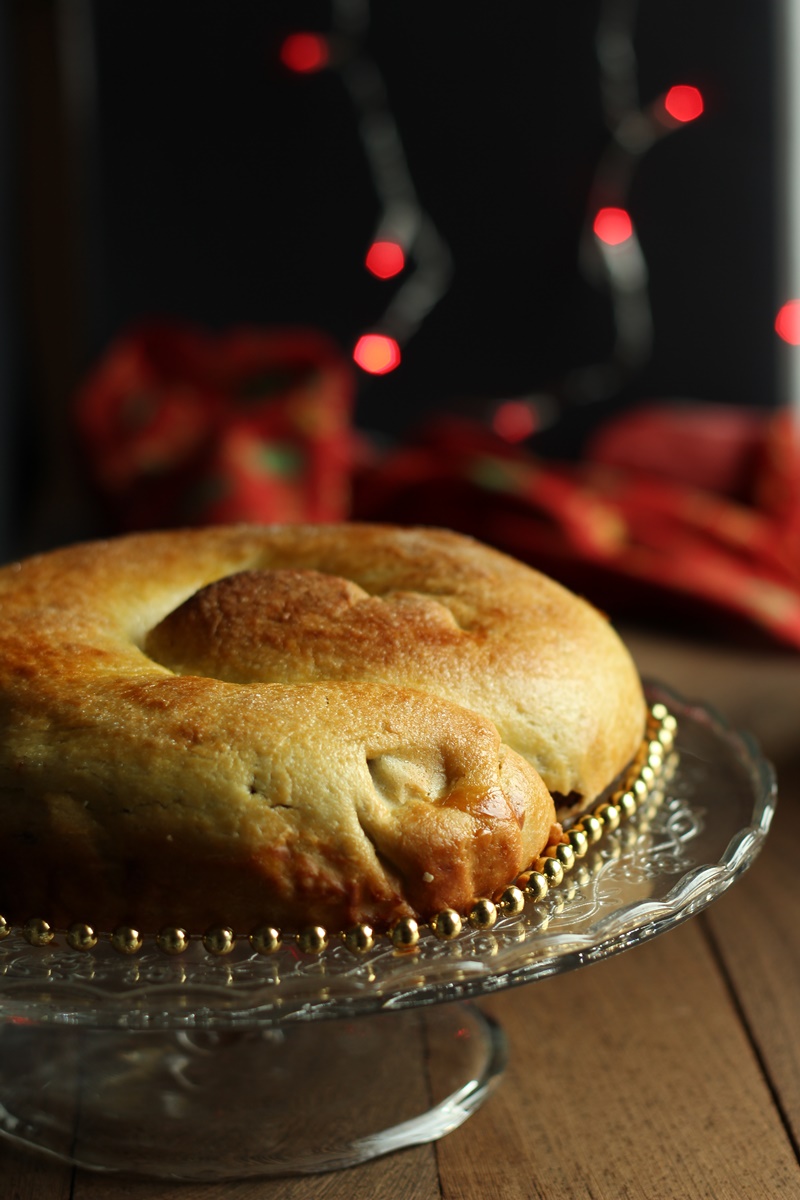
<point x="647" y="878"/>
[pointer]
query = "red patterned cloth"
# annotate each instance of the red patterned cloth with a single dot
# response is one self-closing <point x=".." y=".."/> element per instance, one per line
<point x="675" y="513"/>
<point x="630" y="526"/>
<point x="182" y="427"/>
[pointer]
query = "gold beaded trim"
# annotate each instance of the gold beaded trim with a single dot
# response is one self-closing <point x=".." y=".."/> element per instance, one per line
<point x="545" y="872"/>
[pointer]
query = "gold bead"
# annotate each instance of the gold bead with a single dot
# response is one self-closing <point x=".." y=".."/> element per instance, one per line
<point x="360" y="939"/>
<point x="667" y="738"/>
<point x="5" y="928"/>
<point x="312" y="940"/>
<point x="640" y="790"/>
<point x="669" y="723"/>
<point x="512" y="901"/>
<point x="172" y="939"/>
<point x="565" y="855"/>
<point x="648" y="776"/>
<point x="483" y="914"/>
<point x="405" y="933"/>
<point x="219" y="940"/>
<point x="659" y="711"/>
<point x="446" y="924"/>
<point x="552" y="871"/>
<point x="626" y="803"/>
<point x="579" y="841"/>
<point x="126" y="940"/>
<point x="265" y="939"/>
<point x="609" y="815"/>
<point x="655" y="749"/>
<point x="536" y="886"/>
<point x="37" y="932"/>
<point x="592" y="827"/>
<point x="655" y="763"/>
<point x="81" y="937"/>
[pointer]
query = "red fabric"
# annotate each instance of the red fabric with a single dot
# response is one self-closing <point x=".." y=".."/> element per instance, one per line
<point x="674" y="512"/>
<point x="632" y="538"/>
<point x="182" y="427"/>
<point x="713" y="447"/>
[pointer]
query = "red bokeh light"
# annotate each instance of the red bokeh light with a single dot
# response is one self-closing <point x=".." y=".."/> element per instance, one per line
<point x="683" y="102"/>
<point x="377" y="353"/>
<point x="305" y="52"/>
<point x="613" y="226"/>
<point x="787" y="322"/>
<point x="385" y="259"/>
<point x="514" y="420"/>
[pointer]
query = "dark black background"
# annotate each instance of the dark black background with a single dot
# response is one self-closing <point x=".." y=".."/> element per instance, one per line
<point x="214" y="186"/>
<point x="233" y="191"/>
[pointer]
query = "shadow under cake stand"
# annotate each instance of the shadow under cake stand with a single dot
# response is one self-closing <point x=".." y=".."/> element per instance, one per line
<point x="202" y="1068"/>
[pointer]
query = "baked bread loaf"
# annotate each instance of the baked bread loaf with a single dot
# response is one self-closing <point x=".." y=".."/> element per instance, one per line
<point x="330" y="725"/>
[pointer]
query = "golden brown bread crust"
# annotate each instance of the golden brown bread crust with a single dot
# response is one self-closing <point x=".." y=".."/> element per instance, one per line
<point x="339" y="728"/>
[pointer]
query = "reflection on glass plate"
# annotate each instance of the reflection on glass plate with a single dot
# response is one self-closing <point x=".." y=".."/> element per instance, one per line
<point x="671" y="860"/>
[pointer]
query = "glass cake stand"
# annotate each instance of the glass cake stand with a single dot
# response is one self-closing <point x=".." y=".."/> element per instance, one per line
<point x="199" y="1067"/>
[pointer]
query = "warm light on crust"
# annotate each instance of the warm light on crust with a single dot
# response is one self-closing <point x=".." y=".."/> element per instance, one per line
<point x="366" y="750"/>
<point x="560" y="855"/>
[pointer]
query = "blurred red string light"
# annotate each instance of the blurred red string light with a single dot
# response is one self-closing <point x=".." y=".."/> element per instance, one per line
<point x="417" y="249"/>
<point x="305" y="52"/>
<point x="613" y="226"/>
<point x="514" y="420"/>
<point x="376" y="353"/>
<point x="684" y="103"/>
<point x="385" y="259"/>
<point x="787" y="322"/>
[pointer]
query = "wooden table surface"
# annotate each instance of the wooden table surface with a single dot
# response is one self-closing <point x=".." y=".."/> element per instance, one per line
<point x="688" y="1083"/>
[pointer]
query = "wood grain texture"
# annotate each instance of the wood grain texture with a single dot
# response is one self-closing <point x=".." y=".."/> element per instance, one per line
<point x="755" y="689"/>
<point x="27" y="1177"/>
<point x="316" y="1109"/>
<point x="410" y="1175"/>
<point x="630" y="1079"/>
<point x="756" y="929"/>
<point x="671" y="1071"/>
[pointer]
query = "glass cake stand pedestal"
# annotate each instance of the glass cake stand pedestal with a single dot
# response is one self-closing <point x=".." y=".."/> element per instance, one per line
<point x="204" y="1068"/>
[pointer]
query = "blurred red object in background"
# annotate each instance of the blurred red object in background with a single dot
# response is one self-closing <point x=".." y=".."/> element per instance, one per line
<point x="715" y="447"/>
<point x="677" y="513"/>
<point x="642" y="532"/>
<point x="182" y="427"/>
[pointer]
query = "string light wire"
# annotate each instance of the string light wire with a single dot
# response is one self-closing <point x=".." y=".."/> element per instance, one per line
<point x="610" y="255"/>
<point x="617" y="265"/>
<point x="424" y="265"/>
